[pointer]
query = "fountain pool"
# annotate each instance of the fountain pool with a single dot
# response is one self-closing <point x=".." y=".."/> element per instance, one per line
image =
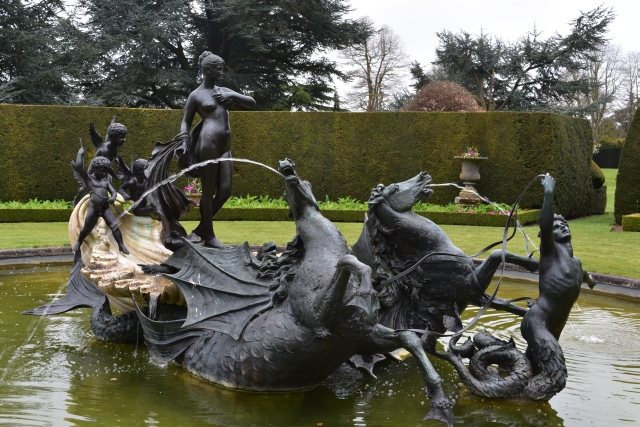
<point x="54" y="372"/>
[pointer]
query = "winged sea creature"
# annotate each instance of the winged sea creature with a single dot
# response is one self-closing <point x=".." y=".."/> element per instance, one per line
<point x="280" y="324"/>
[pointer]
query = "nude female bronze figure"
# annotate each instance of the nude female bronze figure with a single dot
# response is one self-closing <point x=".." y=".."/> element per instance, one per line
<point x="212" y="103"/>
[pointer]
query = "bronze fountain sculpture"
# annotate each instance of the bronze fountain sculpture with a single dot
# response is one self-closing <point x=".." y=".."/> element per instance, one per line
<point x="539" y="373"/>
<point x="272" y="322"/>
<point x="108" y="148"/>
<point x="267" y="323"/>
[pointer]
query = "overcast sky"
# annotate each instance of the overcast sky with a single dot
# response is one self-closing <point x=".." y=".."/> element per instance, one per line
<point x="416" y="21"/>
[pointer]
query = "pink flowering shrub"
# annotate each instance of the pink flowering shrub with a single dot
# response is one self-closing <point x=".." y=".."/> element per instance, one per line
<point x="193" y="188"/>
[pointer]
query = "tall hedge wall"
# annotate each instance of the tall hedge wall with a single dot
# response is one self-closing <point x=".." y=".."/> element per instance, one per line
<point x="608" y="157"/>
<point x="341" y="154"/>
<point x="627" y="188"/>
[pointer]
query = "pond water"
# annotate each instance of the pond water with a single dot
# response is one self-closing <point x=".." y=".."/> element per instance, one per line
<point x="53" y="372"/>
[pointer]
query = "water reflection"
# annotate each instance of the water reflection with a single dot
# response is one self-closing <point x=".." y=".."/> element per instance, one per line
<point x="63" y="376"/>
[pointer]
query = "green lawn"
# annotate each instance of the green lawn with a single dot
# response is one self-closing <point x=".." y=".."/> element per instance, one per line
<point x="610" y="176"/>
<point x="600" y="249"/>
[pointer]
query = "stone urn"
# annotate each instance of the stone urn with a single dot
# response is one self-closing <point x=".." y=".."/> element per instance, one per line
<point x="470" y="175"/>
<point x="195" y="197"/>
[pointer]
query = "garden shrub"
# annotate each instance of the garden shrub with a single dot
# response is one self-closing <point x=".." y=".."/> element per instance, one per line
<point x="608" y="157"/>
<point x="341" y="154"/>
<point x="598" y="203"/>
<point x="443" y="96"/>
<point x="35" y="215"/>
<point x="631" y="222"/>
<point x="597" y="177"/>
<point x="279" y="214"/>
<point x="627" y="199"/>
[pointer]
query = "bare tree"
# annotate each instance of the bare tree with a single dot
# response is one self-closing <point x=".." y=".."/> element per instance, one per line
<point x="603" y="72"/>
<point x="377" y="67"/>
<point x="629" y="93"/>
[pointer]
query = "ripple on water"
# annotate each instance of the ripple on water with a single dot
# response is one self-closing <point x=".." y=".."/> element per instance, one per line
<point x="63" y="376"/>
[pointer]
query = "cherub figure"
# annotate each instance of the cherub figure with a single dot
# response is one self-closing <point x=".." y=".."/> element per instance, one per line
<point x="561" y="276"/>
<point x="135" y="181"/>
<point x="116" y="137"/>
<point x="99" y="186"/>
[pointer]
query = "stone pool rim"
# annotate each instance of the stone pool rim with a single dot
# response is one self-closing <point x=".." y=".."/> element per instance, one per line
<point x="623" y="287"/>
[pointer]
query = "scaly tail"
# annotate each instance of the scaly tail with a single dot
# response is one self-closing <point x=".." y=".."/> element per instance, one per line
<point x="479" y="378"/>
<point x="81" y="292"/>
<point x="552" y="378"/>
<point x="167" y="340"/>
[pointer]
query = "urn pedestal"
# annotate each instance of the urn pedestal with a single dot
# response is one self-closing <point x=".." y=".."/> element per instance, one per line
<point x="470" y="175"/>
<point x="195" y="198"/>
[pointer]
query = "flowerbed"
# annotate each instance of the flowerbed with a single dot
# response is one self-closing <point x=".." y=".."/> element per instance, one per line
<point x="262" y="208"/>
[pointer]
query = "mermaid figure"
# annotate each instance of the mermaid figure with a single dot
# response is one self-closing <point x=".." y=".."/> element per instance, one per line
<point x="213" y="135"/>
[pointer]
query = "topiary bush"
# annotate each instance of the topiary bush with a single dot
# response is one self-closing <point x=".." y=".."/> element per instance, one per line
<point x="341" y="154"/>
<point x="631" y="222"/>
<point x="627" y="199"/>
<point x="598" y="202"/>
<point x="597" y="177"/>
<point x="443" y="97"/>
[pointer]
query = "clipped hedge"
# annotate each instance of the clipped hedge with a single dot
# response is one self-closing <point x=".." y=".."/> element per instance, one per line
<point x="631" y="222"/>
<point x="486" y="220"/>
<point x="608" y="157"/>
<point x="598" y="202"/>
<point x="243" y="214"/>
<point x="35" y="215"/>
<point x="271" y="214"/>
<point x="597" y="176"/>
<point x="627" y="199"/>
<point x="341" y="154"/>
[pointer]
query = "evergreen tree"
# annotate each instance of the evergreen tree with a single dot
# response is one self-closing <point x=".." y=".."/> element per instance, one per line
<point x="33" y="62"/>
<point x="272" y="49"/>
<point x="418" y="76"/>
<point x="529" y="74"/>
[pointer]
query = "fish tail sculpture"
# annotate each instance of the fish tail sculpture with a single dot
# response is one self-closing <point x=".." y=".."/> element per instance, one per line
<point x="480" y="377"/>
<point x="81" y="292"/>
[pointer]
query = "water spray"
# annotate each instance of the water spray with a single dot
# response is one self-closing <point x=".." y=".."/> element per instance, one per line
<point x="172" y="178"/>
<point x="527" y="239"/>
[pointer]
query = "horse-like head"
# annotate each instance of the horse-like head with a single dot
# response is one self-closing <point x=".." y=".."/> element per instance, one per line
<point x="298" y="194"/>
<point x="402" y="196"/>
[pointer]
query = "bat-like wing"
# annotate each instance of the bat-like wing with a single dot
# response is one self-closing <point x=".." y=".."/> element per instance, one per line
<point x="81" y="292"/>
<point x="96" y="138"/>
<point x="362" y="248"/>
<point x="76" y="173"/>
<point x="124" y="170"/>
<point x="222" y="288"/>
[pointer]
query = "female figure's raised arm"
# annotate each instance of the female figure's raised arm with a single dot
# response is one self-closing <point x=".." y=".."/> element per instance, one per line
<point x="547" y="242"/>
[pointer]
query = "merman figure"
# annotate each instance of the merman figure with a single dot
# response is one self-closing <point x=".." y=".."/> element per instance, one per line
<point x="561" y="276"/>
